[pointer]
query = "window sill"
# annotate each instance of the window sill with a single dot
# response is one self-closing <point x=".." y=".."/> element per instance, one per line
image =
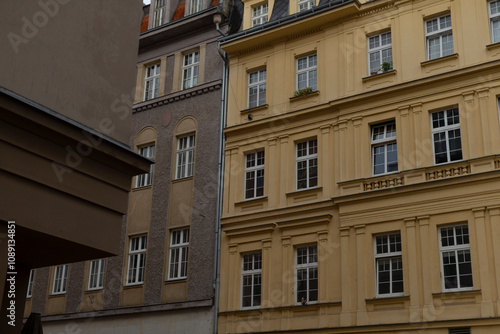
<point x="304" y="191"/>
<point x="493" y="46"/>
<point x="250" y="308"/>
<point x="252" y="201"/>
<point x="57" y="294"/>
<point x="455" y="293"/>
<point x="182" y="179"/>
<point x="142" y="188"/>
<point x="380" y="75"/>
<point x="133" y="286"/>
<point x="176" y="280"/>
<point x="387" y="298"/>
<point x="258" y="108"/>
<point x="387" y="303"/>
<point x="304" y="96"/>
<point x="457" y="297"/>
<point x="439" y="60"/>
<point x="93" y="290"/>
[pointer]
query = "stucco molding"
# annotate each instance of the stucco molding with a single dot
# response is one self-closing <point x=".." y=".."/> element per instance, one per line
<point x="178" y="96"/>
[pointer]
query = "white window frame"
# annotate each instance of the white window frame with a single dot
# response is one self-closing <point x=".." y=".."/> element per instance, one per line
<point x="136" y="260"/>
<point x="185" y="156"/>
<point x="309" y="265"/>
<point x="151" y="79"/>
<point x="254" y="173"/>
<point x="387" y="142"/>
<point x="439" y="33"/>
<point x="190" y="69"/>
<point x="255" y="274"/>
<point x="494" y="19"/>
<point x="96" y="274"/>
<point x="394" y="252"/>
<point x="309" y="159"/>
<point x="31" y="280"/>
<point x="178" y="254"/>
<point x="306" y="5"/>
<point x="146" y="179"/>
<point x="260" y="14"/>
<point x="159" y="14"/>
<point x="195" y="6"/>
<point x="60" y="282"/>
<point x="455" y="248"/>
<point x="310" y="70"/>
<point x="378" y="45"/>
<point x="446" y="129"/>
<point x="260" y="85"/>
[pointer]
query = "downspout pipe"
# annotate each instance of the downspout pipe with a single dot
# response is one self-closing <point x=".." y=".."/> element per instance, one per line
<point x="225" y="74"/>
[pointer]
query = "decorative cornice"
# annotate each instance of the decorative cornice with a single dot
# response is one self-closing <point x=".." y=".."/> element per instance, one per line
<point x="275" y="213"/>
<point x="178" y="96"/>
<point x="303" y="33"/>
<point x="376" y="10"/>
<point x="257" y="48"/>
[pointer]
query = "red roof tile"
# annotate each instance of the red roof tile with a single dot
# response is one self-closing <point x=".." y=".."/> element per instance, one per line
<point x="179" y="12"/>
<point x="144" y="23"/>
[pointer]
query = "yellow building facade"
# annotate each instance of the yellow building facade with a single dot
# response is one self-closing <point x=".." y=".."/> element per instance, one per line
<point x="362" y="168"/>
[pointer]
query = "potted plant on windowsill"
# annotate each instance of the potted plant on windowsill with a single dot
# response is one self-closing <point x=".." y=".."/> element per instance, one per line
<point x="386" y="66"/>
<point x="303" y="91"/>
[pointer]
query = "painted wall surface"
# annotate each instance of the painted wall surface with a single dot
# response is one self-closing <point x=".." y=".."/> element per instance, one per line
<point x="93" y="48"/>
<point x="351" y="206"/>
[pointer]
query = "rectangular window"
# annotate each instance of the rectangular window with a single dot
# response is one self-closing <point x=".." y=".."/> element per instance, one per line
<point x="196" y="6"/>
<point x="259" y="14"/>
<point x="251" y="280"/>
<point x="185" y="157"/>
<point x="494" y="11"/>
<point x="384" y="148"/>
<point x="160" y="9"/>
<point x="254" y="175"/>
<point x="60" y="279"/>
<point x="29" y="293"/>
<point x="307" y="164"/>
<point x="389" y="265"/>
<point x="455" y="257"/>
<point x="306" y="72"/>
<point x="380" y="52"/>
<point x="136" y="260"/>
<point x="179" y="246"/>
<point x="307" y="274"/>
<point x="257" y="88"/>
<point x="96" y="274"/>
<point x="190" y="68"/>
<point x="439" y="37"/>
<point x="144" y="180"/>
<point x="306" y="4"/>
<point x="151" y="82"/>
<point x="446" y="136"/>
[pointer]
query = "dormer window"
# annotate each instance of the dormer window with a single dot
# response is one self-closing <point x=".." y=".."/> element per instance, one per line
<point x="160" y="8"/>
<point x="259" y="14"/>
<point x="306" y="5"/>
<point x="196" y="6"/>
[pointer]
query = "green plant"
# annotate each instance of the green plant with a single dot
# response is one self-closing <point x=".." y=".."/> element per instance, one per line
<point x="303" y="91"/>
<point x="386" y="66"/>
